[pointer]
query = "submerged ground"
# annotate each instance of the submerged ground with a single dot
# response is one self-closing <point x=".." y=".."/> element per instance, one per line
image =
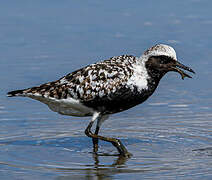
<point x="170" y="135"/>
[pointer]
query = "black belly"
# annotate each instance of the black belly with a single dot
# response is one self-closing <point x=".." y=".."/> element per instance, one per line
<point x="119" y="101"/>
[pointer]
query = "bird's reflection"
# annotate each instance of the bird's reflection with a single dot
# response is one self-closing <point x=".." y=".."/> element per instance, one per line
<point x="99" y="171"/>
<point x="120" y="160"/>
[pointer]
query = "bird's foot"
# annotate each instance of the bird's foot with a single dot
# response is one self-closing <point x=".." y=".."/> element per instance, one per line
<point x="121" y="148"/>
<point x="116" y="142"/>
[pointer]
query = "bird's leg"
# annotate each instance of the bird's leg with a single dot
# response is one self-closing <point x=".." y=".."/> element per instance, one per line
<point x="95" y="140"/>
<point x="116" y="142"/>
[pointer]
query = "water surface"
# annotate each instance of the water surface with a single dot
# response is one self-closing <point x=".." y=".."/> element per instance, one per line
<point x="170" y="135"/>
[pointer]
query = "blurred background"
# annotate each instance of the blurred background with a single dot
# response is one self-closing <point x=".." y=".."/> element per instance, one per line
<point x="170" y="135"/>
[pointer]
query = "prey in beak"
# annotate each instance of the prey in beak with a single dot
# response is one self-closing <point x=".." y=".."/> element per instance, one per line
<point x="177" y="67"/>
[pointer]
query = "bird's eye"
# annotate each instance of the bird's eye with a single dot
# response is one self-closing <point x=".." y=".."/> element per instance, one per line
<point x="164" y="60"/>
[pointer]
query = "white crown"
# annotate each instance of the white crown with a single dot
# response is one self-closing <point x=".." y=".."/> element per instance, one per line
<point x="160" y="50"/>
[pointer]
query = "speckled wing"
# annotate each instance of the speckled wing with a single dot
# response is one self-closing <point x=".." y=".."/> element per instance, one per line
<point x="96" y="85"/>
<point x="100" y="79"/>
<point x="101" y="85"/>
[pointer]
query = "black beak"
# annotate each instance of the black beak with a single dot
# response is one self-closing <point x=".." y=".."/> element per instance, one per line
<point x="177" y="67"/>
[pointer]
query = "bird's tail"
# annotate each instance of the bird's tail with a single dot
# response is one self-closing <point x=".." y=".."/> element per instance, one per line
<point x="16" y="93"/>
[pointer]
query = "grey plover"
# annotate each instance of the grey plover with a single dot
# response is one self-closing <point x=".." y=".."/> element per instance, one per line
<point x="107" y="87"/>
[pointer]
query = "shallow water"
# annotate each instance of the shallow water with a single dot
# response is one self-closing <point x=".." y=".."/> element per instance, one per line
<point x="170" y="135"/>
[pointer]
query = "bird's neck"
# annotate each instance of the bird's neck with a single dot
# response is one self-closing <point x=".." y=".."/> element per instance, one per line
<point x="154" y="78"/>
<point x="155" y="74"/>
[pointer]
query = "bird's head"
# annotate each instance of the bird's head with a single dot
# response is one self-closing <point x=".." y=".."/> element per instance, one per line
<point x="161" y="59"/>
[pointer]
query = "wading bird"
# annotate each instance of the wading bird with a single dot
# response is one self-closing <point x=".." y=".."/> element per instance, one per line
<point x="107" y="87"/>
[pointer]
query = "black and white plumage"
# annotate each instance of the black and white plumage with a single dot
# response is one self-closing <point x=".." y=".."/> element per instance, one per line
<point x="107" y="87"/>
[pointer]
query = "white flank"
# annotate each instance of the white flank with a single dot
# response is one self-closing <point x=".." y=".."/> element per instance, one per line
<point x="69" y="106"/>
